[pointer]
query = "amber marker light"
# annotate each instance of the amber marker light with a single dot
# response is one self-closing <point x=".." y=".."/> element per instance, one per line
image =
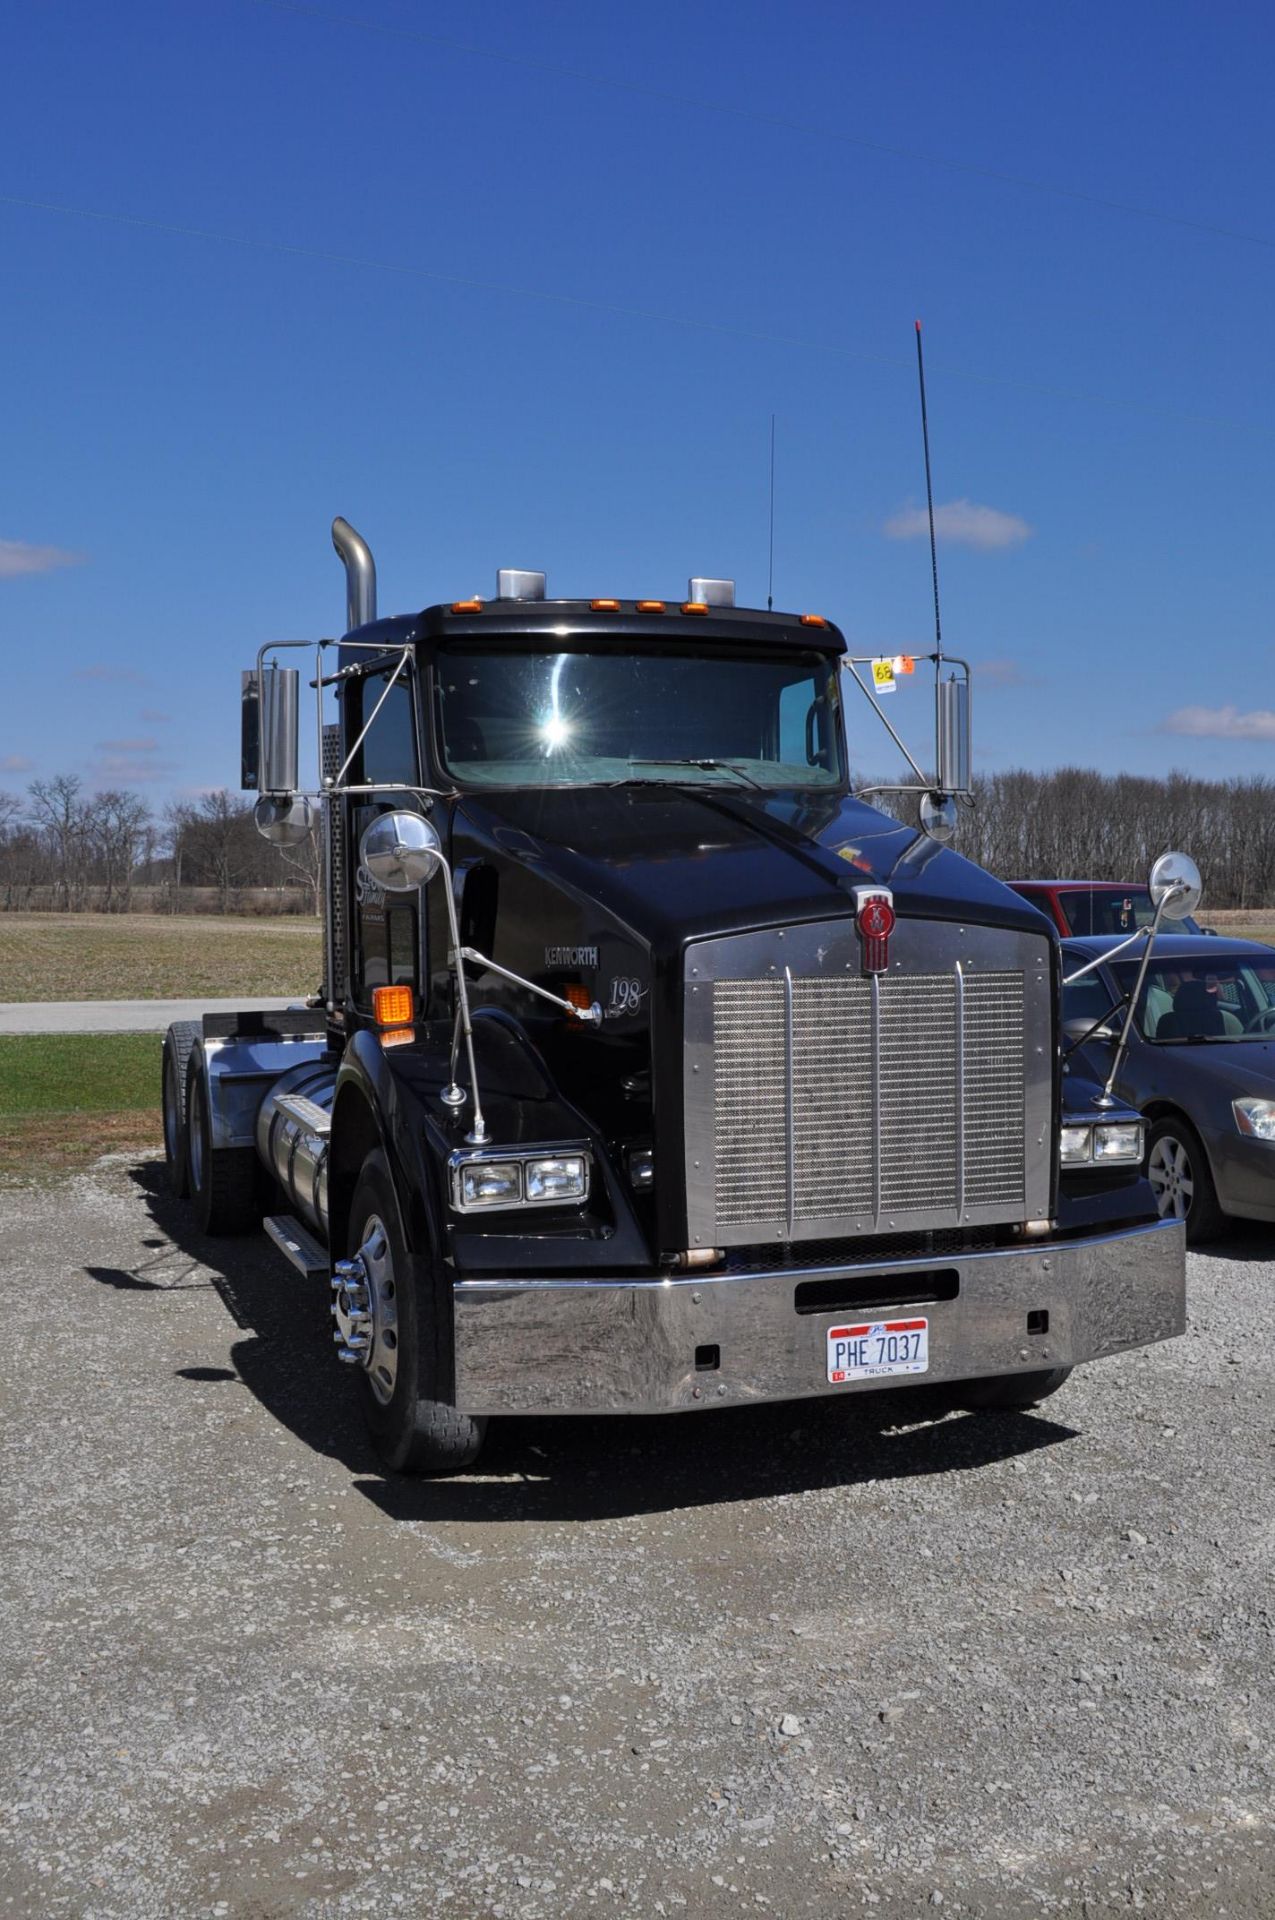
<point x="813" y="620"/>
<point x="397" y="1037"/>
<point x="694" y="606"/>
<point x="650" y="606"/>
<point x="605" y="606"/>
<point x="392" y="1006"/>
<point x="467" y="606"/>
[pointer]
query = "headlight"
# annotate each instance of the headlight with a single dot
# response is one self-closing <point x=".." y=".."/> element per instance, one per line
<point x="1255" y="1117"/>
<point x="489" y="1183"/>
<point x="561" y="1176"/>
<point x="1119" y="1144"/>
<point x="484" y="1179"/>
<point x="1115" y="1143"/>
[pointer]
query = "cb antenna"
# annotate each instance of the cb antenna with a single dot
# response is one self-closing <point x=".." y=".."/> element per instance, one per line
<point x="929" y="500"/>
<point x="770" y="579"/>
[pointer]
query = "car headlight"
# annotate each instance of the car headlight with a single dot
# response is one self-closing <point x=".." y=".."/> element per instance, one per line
<point x="1119" y="1144"/>
<point x="485" y="1179"/>
<point x="1075" y="1144"/>
<point x="1255" y="1117"/>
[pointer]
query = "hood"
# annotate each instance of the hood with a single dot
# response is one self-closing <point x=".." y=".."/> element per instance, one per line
<point x="675" y="862"/>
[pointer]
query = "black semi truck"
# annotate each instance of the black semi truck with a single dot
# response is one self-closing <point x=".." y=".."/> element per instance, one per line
<point x="651" y="1069"/>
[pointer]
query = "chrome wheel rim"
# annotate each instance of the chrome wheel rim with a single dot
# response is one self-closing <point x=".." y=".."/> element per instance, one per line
<point x="365" y="1309"/>
<point x="1172" y="1180"/>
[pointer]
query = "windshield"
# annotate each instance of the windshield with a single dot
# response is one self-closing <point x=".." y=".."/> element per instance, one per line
<point x="1233" y="998"/>
<point x="1114" y="910"/>
<point x="643" y="711"/>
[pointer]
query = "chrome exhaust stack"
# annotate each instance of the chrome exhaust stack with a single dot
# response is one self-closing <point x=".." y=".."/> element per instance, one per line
<point x="360" y="574"/>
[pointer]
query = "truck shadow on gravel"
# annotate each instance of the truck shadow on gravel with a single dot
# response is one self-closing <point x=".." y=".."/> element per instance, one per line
<point x="579" y="1468"/>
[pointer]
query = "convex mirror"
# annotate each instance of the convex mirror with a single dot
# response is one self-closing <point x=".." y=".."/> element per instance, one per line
<point x="401" y="851"/>
<point x="1175" y="878"/>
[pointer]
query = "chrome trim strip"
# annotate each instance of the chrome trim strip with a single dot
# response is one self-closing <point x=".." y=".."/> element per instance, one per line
<point x="874" y="983"/>
<point x="960" y="1090"/>
<point x="790" y="1183"/>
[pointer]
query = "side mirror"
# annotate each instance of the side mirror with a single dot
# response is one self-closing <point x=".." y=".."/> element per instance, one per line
<point x="269" y="732"/>
<point x="285" y="819"/>
<point x="938" y="816"/>
<point x="401" y="851"/>
<point x="1078" y="1030"/>
<point x="1175" y="884"/>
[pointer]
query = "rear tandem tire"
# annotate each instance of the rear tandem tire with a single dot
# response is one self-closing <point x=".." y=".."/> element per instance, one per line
<point x="225" y="1182"/>
<point x="1008" y="1392"/>
<point x="407" y="1404"/>
<point x="178" y="1042"/>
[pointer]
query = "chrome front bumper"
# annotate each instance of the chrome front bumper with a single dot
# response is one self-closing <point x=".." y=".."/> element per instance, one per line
<point x="625" y="1346"/>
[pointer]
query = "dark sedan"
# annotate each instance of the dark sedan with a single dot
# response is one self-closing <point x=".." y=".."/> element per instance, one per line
<point x="1200" y="1066"/>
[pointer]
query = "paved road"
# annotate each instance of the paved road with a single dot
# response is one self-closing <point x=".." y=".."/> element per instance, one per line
<point x="115" y="1016"/>
<point x="817" y="1660"/>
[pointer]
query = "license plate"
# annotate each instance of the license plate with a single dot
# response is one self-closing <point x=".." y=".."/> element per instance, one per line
<point x="876" y="1348"/>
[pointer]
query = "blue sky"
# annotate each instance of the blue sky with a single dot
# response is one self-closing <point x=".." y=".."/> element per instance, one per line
<point x="522" y="285"/>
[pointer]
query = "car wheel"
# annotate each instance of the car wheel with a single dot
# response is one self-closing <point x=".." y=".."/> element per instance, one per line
<point x="1178" y="1171"/>
<point x="393" y="1322"/>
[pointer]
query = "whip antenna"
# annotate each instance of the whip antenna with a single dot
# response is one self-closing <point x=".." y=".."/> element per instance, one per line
<point x="929" y="499"/>
<point x="770" y="578"/>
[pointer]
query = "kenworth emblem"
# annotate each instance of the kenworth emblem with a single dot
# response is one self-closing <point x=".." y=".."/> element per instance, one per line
<point x="874" y="921"/>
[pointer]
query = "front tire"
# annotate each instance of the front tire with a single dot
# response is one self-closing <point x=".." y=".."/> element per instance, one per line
<point x="1011" y="1392"/>
<point x="1181" y="1180"/>
<point x="406" y="1373"/>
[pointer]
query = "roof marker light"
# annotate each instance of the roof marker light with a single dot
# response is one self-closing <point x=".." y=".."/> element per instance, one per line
<point x="694" y="606"/>
<point x="605" y="606"/>
<point x="813" y="620"/>
<point x="649" y="606"/>
<point x="467" y="606"/>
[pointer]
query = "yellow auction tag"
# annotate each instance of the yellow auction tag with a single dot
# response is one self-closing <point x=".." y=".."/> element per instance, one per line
<point x="883" y="676"/>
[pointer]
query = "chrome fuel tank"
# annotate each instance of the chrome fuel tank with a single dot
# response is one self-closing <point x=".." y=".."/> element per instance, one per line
<point x="293" y="1145"/>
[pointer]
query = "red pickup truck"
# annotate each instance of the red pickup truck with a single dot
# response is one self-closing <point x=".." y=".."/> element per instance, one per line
<point x="1080" y="907"/>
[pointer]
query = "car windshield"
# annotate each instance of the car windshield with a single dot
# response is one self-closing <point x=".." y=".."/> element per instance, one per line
<point x="1232" y="997"/>
<point x="1114" y="910"/>
<point x="641" y="711"/>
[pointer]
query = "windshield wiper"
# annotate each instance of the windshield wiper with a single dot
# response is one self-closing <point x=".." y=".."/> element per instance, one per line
<point x="705" y="766"/>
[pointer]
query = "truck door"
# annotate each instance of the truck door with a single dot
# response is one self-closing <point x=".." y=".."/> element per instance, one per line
<point x="386" y="933"/>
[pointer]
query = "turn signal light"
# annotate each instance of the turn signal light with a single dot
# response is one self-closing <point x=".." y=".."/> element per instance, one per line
<point x="813" y="620"/>
<point x="605" y="606"/>
<point x="650" y="606"/>
<point x="467" y="606"/>
<point x="392" y="1006"/>
<point x="694" y="606"/>
<point x="579" y="997"/>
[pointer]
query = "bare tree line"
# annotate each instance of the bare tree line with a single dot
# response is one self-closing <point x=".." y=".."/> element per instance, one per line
<point x="67" y="849"/>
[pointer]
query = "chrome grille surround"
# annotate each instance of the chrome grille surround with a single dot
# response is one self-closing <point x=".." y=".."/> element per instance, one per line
<point x="821" y="1103"/>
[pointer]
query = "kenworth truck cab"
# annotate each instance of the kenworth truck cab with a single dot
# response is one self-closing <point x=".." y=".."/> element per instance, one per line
<point x="651" y="1069"/>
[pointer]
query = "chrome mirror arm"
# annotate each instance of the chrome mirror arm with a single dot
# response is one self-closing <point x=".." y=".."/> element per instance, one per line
<point x="1139" y="933"/>
<point x="1106" y="1098"/>
<point x="590" y="1016"/>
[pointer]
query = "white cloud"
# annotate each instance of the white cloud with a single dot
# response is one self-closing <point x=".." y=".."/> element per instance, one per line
<point x="1221" y="723"/>
<point x="961" y="523"/>
<point x="19" y="557"/>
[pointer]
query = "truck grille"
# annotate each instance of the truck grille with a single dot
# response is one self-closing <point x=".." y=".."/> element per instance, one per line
<point x="841" y="1102"/>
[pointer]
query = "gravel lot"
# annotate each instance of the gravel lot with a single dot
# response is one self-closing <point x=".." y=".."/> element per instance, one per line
<point x="872" y="1655"/>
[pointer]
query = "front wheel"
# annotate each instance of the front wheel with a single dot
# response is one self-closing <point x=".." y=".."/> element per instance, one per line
<point x="393" y="1323"/>
<point x="1178" y="1171"/>
<point x="1006" y="1392"/>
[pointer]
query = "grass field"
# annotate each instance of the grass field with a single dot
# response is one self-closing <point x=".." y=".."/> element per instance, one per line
<point x="67" y="1097"/>
<point x="1241" y="923"/>
<point x="145" y="956"/>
